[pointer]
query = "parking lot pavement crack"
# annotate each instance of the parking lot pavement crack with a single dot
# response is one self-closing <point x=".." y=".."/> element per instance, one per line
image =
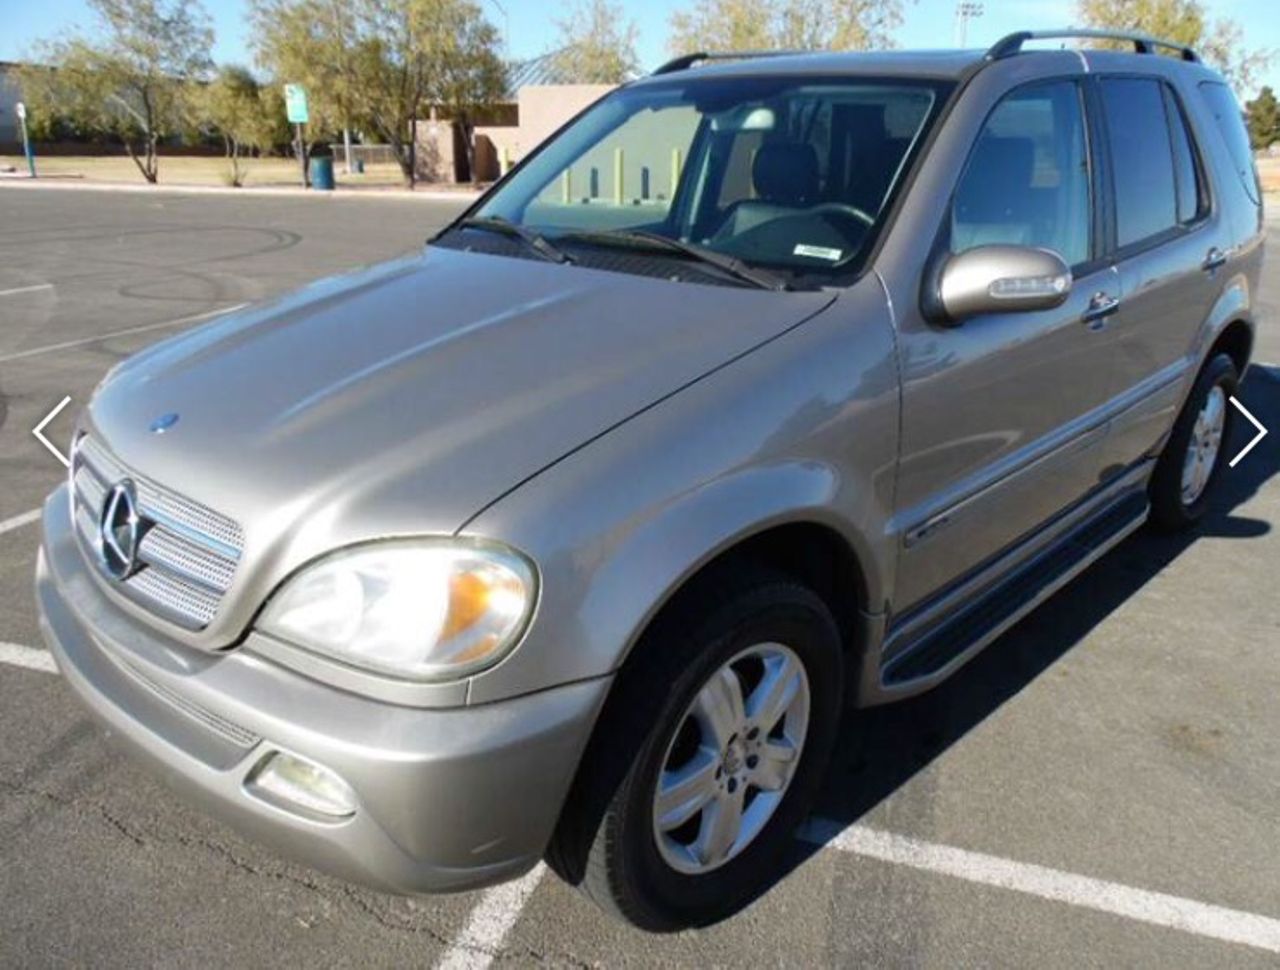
<point x="355" y="897"/>
<point x="75" y="804"/>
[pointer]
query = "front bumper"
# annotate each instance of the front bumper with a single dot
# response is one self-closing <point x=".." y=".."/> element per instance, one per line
<point x="447" y="799"/>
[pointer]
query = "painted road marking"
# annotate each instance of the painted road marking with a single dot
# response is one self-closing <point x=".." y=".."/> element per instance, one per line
<point x="26" y="289"/>
<point x="17" y="655"/>
<point x="18" y="521"/>
<point x="1158" y="909"/>
<point x="493" y="917"/>
<point x="67" y="344"/>
<point x="489" y="923"/>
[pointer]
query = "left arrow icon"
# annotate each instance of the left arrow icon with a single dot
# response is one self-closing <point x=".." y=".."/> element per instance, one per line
<point x="38" y="431"/>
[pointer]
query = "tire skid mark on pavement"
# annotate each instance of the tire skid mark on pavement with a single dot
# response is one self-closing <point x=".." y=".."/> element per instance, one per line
<point x="498" y="909"/>
<point x="80" y="342"/>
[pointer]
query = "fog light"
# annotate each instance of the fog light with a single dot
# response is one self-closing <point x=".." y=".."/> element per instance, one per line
<point x="292" y="782"/>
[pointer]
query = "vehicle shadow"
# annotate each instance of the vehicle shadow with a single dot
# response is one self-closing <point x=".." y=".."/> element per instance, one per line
<point x="880" y="749"/>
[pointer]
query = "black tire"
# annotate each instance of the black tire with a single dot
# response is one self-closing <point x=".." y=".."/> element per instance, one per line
<point x="1169" y="513"/>
<point x="605" y="843"/>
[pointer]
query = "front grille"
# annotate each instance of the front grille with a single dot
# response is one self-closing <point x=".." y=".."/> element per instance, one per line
<point x="186" y="555"/>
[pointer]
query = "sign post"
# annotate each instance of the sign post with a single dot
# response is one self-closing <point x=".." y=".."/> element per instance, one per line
<point x="295" y="107"/>
<point x="21" y="109"/>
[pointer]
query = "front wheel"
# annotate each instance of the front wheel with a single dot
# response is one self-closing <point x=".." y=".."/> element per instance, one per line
<point x="1192" y="460"/>
<point x="725" y="725"/>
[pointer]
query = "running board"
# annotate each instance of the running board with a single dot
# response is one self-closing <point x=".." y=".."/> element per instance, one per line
<point x="943" y="649"/>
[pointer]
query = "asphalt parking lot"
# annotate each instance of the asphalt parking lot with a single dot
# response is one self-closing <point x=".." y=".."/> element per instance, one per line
<point x="1100" y="788"/>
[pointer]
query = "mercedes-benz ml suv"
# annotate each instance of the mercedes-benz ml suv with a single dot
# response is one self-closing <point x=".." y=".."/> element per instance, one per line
<point x="766" y="386"/>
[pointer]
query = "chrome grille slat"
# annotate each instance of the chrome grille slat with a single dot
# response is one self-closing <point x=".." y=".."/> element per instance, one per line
<point x="162" y="548"/>
<point x="188" y="553"/>
<point x="180" y="599"/>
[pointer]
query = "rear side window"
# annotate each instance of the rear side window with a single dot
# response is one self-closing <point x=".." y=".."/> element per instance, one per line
<point x="1142" y="162"/>
<point x="1027" y="179"/>
<point x="1226" y="113"/>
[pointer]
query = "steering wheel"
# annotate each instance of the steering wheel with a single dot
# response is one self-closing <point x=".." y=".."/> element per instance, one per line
<point x="843" y="209"/>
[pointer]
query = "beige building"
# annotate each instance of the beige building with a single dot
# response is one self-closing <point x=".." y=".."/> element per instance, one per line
<point x="535" y="105"/>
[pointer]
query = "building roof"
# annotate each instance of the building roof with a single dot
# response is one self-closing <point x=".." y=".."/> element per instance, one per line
<point x="545" y="69"/>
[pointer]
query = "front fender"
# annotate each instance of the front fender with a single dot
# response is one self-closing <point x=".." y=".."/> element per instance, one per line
<point x="804" y="430"/>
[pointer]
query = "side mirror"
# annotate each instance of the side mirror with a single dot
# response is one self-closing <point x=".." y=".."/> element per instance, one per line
<point x="1000" y="279"/>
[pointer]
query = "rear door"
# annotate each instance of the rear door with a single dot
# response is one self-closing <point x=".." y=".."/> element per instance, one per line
<point x="1001" y="424"/>
<point x="1169" y="247"/>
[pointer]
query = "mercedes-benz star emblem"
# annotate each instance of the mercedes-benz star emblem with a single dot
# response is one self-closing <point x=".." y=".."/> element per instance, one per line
<point x="118" y="530"/>
<point x="163" y="423"/>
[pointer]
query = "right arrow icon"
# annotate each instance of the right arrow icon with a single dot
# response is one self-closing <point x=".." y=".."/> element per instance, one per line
<point x="1262" y="433"/>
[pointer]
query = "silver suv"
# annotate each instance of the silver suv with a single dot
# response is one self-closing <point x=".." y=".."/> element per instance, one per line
<point x="766" y="386"/>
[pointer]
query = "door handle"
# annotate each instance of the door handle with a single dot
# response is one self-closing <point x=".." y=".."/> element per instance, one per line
<point x="1101" y="306"/>
<point x="1214" y="258"/>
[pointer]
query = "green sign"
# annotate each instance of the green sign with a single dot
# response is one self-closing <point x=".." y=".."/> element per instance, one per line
<point x="295" y="103"/>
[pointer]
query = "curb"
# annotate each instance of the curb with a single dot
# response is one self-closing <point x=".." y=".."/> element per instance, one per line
<point x="56" y="184"/>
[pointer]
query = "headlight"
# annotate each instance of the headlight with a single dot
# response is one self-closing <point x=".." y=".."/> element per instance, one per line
<point x="422" y="609"/>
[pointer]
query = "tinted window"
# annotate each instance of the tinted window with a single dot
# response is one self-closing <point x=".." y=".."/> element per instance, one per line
<point x="1027" y="179"/>
<point x="1231" y="125"/>
<point x="1191" y="195"/>
<point x="1141" y="159"/>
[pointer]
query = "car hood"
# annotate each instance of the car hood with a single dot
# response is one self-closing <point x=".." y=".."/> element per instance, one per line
<point x="408" y="396"/>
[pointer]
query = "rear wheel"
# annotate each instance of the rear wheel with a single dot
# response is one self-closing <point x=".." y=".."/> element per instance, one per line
<point x="707" y="757"/>
<point x="1192" y="460"/>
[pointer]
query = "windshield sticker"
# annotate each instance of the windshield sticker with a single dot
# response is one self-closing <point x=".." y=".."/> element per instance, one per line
<point x="818" y="252"/>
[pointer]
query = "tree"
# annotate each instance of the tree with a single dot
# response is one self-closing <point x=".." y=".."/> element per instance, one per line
<point x="1220" y="42"/>
<point x="1263" y="116"/>
<point x="136" y="83"/>
<point x="233" y="104"/>
<point x="719" y="25"/>
<point x="597" y="44"/>
<point x="382" y="63"/>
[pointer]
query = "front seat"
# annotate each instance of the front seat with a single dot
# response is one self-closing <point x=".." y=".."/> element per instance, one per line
<point x="785" y="178"/>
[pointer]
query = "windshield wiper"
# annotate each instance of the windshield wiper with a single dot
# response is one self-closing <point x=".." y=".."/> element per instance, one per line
<point x="651" y="240"/>
<point x="504" y="227"/>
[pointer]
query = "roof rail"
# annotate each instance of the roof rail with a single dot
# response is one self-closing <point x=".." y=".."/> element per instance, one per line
<point x="686" y="61"/>
<point x="1142" y="43"/>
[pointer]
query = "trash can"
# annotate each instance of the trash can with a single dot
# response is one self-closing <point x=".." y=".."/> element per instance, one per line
<point x="358" y="165"/>
<point x="322" y="172"/>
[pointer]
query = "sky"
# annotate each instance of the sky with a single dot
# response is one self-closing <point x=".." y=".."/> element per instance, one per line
<point x="529" y="27"/>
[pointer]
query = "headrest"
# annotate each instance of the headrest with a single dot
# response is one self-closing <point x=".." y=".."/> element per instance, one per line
<point x="786" y="172"/>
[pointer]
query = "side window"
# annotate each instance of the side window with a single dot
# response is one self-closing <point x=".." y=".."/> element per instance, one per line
<point x="1142" y="161"/>
<point x="1192" y="198"/>
<point x="1026" y="182"/>
<point x="1231" y="126"/>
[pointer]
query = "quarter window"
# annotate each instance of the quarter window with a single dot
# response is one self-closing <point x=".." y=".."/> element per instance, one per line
<point x="1226" y="112"/>
<point x="1027" y="179"/>
<point x="1191" y="195"/>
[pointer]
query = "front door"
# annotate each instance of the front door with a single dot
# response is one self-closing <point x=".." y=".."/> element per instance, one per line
<point x="1002" y="414"/>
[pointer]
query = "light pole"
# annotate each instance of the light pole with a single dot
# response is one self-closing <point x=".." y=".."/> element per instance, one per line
<point x="966" y="10"/>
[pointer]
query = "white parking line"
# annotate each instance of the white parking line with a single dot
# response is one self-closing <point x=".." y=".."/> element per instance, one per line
<point x="18" y="521"/>
<point x="1158" y="909"/>
<point x="19" y="656"/>
<point x="26" y="289"/>
<point x="67" y="344"/>
<point x="496" y="913"/>
<point x="489" y="923"/>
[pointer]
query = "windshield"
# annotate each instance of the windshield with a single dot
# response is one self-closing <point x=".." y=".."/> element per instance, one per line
<point x="789" y="174"/>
